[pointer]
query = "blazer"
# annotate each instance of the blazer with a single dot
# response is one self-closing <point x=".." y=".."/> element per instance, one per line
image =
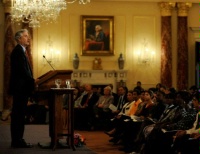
<point x="21" y="77"/>
<point x="91" y="101"/>
<point x="106" y="101"/>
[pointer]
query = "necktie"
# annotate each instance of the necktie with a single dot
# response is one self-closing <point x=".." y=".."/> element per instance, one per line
<point x="86" y="102"/>
<point x="28" y="62"/>
<point x="27" y="57"/>
<point x="120" y="103"/>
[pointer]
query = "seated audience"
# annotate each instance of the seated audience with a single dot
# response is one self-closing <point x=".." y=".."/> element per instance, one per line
<point x="158" y="138"/>
<point x="128" y="109"/>
<point x="131" y="127"/>
<point x="187" y="141"/>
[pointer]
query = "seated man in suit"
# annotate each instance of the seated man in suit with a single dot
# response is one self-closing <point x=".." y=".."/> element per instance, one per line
<point x="84" y="114"/>
<point x="122" y="99"/>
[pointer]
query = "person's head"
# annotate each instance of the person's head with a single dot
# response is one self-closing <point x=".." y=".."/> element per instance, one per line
<point x="169" y="98"/>
<point x="22" y="37"/>
<point x="163" y="89"/>
<point x="136" y="94"/>
<point x="88" y="87"/>
<point x="195" y="101"/>
<point x="82" y="88"/>
<point x="158" y="85"/>
<point x="139" y="84"/>
<point x="183" y="96"/>
<point x="98" y="28"/>
<point x="193" y="89"/>
<point x="107" y="91"/>
<point x="121" y="90"/>
<point x="148" y="95"/>
<point x="160" y="96"/>
<point x="142" y="94"/>
<point x="111" y="86"/>
<point x="130" y="96"/>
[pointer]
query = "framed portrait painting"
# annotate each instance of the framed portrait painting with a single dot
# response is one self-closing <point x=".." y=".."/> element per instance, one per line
<point x="97" y="35"/>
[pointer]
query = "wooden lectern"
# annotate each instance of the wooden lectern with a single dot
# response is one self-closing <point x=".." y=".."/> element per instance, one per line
<point x="46" y="90"/>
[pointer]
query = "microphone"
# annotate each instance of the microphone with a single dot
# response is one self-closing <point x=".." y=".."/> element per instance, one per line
<point x="48" y="62"/>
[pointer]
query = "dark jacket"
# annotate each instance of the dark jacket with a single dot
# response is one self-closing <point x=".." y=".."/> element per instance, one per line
<point x="92" y="100"/>
<point x="21" y="77"/>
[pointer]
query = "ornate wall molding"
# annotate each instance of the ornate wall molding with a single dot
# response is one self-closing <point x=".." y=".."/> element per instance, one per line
<point x="183" y="9"/>
<point x="166" y="8"/>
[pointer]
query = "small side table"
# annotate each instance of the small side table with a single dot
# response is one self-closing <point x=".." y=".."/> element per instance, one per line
<point x="56" y="131"/>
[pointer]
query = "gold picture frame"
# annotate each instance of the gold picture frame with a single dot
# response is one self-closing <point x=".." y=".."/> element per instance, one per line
<point x="97" y="35"/>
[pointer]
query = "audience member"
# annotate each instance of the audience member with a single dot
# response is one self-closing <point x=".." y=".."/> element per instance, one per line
<point x="139" y="86"/>
<point x="122" y="91"/>
<point x="84" y="113"/>
<point x="101" y="108"/>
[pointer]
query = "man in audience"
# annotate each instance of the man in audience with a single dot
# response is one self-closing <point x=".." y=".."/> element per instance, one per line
<point x="84" y="114"/>
<point x="121" y="99"/>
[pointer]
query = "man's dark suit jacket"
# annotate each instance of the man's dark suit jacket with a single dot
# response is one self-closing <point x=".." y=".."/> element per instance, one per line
<point x="21" y="77"/>
<point x="92" y="101"/>
<point x="122" y="102"/>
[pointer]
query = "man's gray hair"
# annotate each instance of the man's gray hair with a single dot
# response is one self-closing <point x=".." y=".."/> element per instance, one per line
<point x="19" y="33"/>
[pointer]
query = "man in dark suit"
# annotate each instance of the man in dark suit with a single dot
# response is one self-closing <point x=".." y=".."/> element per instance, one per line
<point x="21" y="87"/>
<point x="84" y="115"/>
<point x="122" y="99"/>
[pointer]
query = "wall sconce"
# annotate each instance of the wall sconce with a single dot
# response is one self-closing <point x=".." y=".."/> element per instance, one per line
<point x="145" y="56"/>
<point x="50" y="55"/>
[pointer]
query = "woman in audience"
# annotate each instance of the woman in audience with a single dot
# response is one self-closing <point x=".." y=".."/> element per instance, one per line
<point x="101" y="108"/>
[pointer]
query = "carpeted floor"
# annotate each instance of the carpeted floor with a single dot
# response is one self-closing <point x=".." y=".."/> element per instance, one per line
<point x="34" y="134"/>
<point x="96" y="141"/>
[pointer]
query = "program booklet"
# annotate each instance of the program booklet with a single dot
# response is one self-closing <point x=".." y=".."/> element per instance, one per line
<point x="112" y="107"/>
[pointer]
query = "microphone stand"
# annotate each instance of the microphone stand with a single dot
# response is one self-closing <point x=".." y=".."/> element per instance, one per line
<point x="48" y="62"/>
